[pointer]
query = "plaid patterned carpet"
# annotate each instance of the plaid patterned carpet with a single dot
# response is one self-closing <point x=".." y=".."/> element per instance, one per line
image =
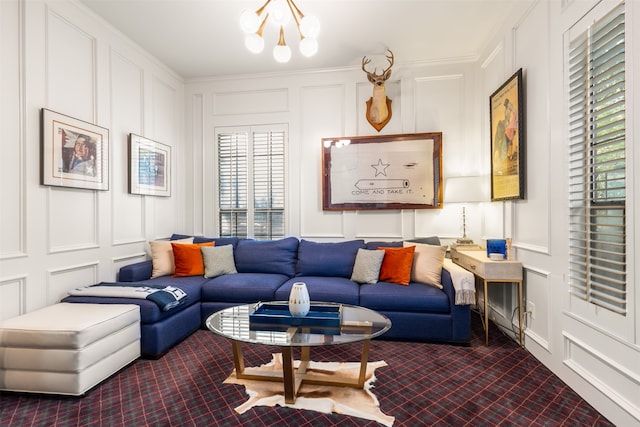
<point x="424" y="385"/>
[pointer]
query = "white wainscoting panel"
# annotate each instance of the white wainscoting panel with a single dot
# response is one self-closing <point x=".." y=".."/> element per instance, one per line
<point x="12" y="172"/>
<point x="605" y="373"/>
<point x="71" y="68"/>
<point x="12" y="296"/>
<point x="531" y="37"/>
<point x="536" y="290"/>
<point x="439" y="107"/>
<point x="61" y="280"/>
<point x="251" y="102"/>
<point x="379" y="225"/>
<point x="127" y="88"/>
<point x="72" y="216"/>
<point x="323" y="112"/>
<point x="164" y="130"/>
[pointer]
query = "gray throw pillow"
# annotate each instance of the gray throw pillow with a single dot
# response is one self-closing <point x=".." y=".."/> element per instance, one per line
<point x="366" y="269"/>
<point x="218" y="260"/>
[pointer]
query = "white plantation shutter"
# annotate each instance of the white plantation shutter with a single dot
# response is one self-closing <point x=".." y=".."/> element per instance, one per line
<point x="597" y="181"/>
<point x="268" y="184"/>
<point x="251" y="177"/>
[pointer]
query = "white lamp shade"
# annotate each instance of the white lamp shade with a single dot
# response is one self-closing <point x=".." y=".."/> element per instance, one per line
<point x="465" y="189"/>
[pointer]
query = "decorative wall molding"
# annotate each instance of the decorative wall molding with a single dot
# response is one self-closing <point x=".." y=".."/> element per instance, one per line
<point x="600" y="370"/>
<point x="13" y="296"/>
<point x="250" y="102"/>
<point x="60" y="280"/>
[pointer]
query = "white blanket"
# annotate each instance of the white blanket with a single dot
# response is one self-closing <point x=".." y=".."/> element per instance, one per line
<point x="464" y="283"/>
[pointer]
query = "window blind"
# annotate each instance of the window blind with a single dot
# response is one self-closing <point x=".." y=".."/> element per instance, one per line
<point x="251" y="182"/>
<point x="268" y="184"/>
<point x="597" y="180"/>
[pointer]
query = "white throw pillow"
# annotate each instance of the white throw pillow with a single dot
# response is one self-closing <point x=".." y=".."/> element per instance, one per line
<point x="366" y="269"/>
<point x="218" y="260"/>
<point x="427" y="263"/>
<point x="162" y="256"/>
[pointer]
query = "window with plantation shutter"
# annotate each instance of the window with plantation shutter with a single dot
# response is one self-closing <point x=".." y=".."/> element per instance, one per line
<point x="251" y="176"/>
<point x="597" y="155"/>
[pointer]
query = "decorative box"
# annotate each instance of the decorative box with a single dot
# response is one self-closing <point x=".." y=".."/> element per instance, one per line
<point x="319" y="315"/>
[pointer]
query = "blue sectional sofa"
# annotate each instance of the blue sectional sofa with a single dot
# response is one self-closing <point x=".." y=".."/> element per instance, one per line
<point x="266" y="271"/>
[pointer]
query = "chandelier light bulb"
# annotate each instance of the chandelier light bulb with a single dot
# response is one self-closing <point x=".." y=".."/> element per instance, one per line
<point x="310" y="27"/>
<point x="254" y="43"/>
<point x="308" y="47"/>
<point x="280" y="13"/>
<point x="281" y="53"/>
<point x="249" y="21"/>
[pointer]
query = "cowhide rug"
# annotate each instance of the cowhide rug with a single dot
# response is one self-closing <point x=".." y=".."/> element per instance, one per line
<point x="360" y="403"/>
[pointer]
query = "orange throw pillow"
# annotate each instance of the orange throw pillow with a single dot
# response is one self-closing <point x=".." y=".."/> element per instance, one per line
<point x="396" y="265"/>
<point x="188" y="259"/>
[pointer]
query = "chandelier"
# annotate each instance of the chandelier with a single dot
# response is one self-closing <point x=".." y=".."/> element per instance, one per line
<point x="279" y="13"/>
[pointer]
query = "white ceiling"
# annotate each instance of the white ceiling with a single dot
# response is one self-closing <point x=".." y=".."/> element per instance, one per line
<point x="202" y="38"/>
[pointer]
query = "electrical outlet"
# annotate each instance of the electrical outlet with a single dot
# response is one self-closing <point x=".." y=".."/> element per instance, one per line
<point x="531" y="309"/>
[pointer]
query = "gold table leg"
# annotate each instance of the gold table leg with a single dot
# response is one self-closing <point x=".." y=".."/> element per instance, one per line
<point x="520" y="312"/>
<point x="292" y="378"/>
<point x="486" y="314"/>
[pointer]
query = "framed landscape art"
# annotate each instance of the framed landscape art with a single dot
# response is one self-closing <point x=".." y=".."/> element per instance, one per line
<point x="149" y="167"/>
<point x="507" y="140"/>
<point x="382" y="172"/>
<point x="73" y="153"/>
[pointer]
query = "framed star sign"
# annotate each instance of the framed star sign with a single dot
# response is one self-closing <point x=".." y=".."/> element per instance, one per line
<point x="382" y="172"/>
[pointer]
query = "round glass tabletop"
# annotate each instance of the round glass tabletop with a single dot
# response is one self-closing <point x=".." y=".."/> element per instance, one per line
<point x="356" y="324"/>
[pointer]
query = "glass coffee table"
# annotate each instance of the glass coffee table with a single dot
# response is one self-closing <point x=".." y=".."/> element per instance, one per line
<point x="358" y="324"/>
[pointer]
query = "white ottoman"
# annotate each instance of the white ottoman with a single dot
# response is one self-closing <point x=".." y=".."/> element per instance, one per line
<point x="67" y="348"/>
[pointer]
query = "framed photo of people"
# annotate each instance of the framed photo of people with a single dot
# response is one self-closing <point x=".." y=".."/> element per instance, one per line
<point x="149" y="167"/>
<point x="382" y="172"/>
<point x="507" y="140"/>
<point x="73" y="153"/>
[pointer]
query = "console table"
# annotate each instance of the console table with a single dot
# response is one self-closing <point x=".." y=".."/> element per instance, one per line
<point x="490" y="271"/>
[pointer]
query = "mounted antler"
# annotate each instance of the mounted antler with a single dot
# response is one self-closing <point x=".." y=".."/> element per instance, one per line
<point x="378" y="106"/>
<point x="375" y="78"/>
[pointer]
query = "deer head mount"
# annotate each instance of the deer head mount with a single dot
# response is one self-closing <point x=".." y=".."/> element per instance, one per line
<point x="378" y="106"/>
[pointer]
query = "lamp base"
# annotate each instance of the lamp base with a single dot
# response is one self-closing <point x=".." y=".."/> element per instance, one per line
<point x="464" y="241"/>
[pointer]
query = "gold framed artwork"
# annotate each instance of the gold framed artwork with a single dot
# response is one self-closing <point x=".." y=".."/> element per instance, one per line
<point x="507" y="140"/>
<point x="382" y="172"/>
<point x="73" y="153"/>
<point x="149" y="167"/>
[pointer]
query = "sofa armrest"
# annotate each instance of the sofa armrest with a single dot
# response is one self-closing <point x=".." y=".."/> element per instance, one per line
<point x="461" y="314"/>
<point x="136" y="272"/>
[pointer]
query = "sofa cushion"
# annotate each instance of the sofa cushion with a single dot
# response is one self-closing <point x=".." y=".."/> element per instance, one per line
<point x="218" y="260"/>
<point x="431" y="240"/>
<point x="218" y="241"/>
<point x="367" y="266"/>
<point x="242" y="287"/>
<point x="417" y="297"/>
<point x="188" y="259"/>
<point x="162" y="256"/>
<point x="327" y="259"/>
<point x="427" y="263"/>
<point x="267" y="256"/>
<point x="323" y="289"/>
<point x="375" y="245"/>
<point x="397" y="264"/>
